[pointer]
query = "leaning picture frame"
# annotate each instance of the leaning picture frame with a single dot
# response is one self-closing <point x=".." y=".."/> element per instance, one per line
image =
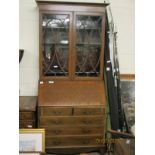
<point x="31" y="140"/>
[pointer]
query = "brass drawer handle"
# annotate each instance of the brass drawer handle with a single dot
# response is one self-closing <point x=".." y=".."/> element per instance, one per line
<point x="56" y="142"/>
<point x="87" y="121"/>
<point x="57" y="132"/>
<point x="56" y="122"/>
<point x="85" y="142"/>
<point x="86" y="131"/>
<point x="57" y="112"/>
<point x="87" y="112"/>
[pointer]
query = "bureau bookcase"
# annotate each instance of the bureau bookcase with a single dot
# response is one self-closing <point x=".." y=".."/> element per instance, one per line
<point x="71" y="92"/>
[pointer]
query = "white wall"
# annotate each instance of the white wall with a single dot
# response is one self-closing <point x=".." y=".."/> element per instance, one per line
<point x="123" y="12"/>
<point x="29" y="41"/>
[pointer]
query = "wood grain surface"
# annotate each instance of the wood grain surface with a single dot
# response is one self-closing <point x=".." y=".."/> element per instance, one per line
<point x="72" y="93"/>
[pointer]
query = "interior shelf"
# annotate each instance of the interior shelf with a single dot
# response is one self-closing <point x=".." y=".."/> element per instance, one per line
<point x="78" y="44"/>
<point x="92" y="44"/>
<point x="48" y="44"/>
<point x="44" y="27"/>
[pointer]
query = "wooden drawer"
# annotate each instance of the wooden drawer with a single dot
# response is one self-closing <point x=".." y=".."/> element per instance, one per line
<point x="26" y="115"/>
<point x="73" y="120"/>
<point x="73" y="141"/>
<point x="56" y="111"/>
<point x="26" y="124"/>
<point x="73" y="130"/>
<point x="89" y="111"/>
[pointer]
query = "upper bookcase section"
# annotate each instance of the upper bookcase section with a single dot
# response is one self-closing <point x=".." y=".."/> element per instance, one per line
<point x="71" y="40"/>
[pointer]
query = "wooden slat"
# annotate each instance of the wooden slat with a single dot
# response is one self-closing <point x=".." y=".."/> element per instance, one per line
<point x="127" y="76"/>
<point x="66" y="120"/>
<point x="89" y="111"/>
<point x="73" y="140"/>
<point x="56" y="111"/>
<point x="26" y="116"/>
<point x="73" y="130"/>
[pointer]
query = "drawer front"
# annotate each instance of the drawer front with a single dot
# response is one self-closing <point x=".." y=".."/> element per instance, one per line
<point x="75" y="130"/>
<point x="74" y="120"/>
<point x="26" y="115"/>
<point x="89" y="111"/>
<point x="56" y="111"/>
<point x="26" y="124"/>
<point x="73" y="141"/>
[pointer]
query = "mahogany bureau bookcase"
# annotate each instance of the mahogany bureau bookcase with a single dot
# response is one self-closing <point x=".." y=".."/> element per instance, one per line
<point x="71" y="91"/>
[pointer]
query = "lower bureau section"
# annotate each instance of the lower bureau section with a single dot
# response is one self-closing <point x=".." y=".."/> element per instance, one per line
<point x="72" y="128"/>
<point x="73" y="141"/>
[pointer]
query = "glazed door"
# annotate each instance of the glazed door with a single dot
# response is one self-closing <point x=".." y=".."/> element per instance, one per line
<point x="55" y="44"/>
<point x="89" y="45"/>
<point x="71" y="45"/>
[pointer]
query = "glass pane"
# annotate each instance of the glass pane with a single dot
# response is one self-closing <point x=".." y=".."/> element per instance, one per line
<point x="88" y="45"/>
<point x="55" y="44"/>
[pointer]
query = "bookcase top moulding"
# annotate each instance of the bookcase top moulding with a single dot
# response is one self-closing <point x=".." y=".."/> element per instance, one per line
<point x="75" y="1"/>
